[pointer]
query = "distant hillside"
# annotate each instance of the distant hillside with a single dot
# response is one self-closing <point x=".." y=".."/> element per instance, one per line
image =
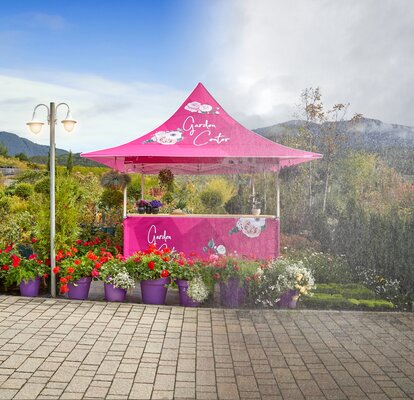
<point x="39" y="153"/>
<point x="393" y="142"/>
<point x="16" y="144"/>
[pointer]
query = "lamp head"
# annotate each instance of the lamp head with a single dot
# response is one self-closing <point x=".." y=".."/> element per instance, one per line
<point x="35" y="126"/>
<point x="69" y="122"/>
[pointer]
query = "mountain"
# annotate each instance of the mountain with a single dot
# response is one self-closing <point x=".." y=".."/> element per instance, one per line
<point x="394" y="143"/>
<point x="366" y="134"/>
<point x="15" y="145"/>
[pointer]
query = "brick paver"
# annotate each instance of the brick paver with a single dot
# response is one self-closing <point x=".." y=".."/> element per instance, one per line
<point x="60" y="349"/>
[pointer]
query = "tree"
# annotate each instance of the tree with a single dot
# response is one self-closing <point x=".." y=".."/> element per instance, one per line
<point x="3" y="150"/>
<point x="22" y="157"/>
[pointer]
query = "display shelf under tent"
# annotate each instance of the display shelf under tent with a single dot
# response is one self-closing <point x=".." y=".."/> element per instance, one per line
<point x="200" y="138"/>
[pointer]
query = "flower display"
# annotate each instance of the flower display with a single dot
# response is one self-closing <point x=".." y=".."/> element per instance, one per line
<point x="155" y="203"/>
<point x="197" y="107"/>
<point x="142" y="203"/>
<point x="115" y="272"/>
<point x="278" y="277"/>
<point x="197" y="289"/>
<point x="151" y="263"/>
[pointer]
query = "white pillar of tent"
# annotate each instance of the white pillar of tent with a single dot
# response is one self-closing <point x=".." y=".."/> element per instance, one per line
<point x="277" y="195"/>
<point x="125" y="197"/>
<point x="142" y="185"/>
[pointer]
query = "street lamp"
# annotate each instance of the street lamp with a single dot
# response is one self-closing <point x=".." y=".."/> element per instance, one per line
<point x="35" y="126"/>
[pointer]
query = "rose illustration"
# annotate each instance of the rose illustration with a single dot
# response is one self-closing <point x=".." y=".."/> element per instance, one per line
<point x="221" y="250"/>
<point x="205" y="108"/>
<point x="193" y="106"/>
<point x="251" y="227"/>
<point x="166" y="137"/>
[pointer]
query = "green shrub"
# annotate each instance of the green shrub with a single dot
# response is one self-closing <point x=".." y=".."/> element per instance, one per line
<point x="351" y="290"/>
<point x="23" y="190"/>
<point x="212" y="200"/>
<point x="43" y="186"/>
<point x="112" y="198"/>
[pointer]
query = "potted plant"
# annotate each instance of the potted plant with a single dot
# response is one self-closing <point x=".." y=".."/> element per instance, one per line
<point x="141" y="206"/>
<point x="232" y="273"/>
<point x="281" y="283"/>
<point x="190" y="281"/>
<point x="115" y="180"/>
<point x="155" y="206"/>
<point x="25" y="272"/>
<point x="76" y="273"/>
<point x="152" y="268"/>
<point x="116" y="278"/>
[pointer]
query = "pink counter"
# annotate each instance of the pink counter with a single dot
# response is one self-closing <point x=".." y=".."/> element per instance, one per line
<point x="243" y="235"/>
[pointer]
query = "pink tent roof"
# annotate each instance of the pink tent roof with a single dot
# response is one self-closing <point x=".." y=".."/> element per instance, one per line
<point x="200" y="138"/>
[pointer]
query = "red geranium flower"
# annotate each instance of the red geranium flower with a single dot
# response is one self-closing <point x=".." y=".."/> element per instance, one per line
<point x="164" y="273"/>
<point x="64" y="289"/>
<point x="216" y="276"/>
<point x="71" y="270"/>
<point x="56" y="270"/>
<point x="98" y="265"/>
<point x="32" y="257"/>
<point x="77" y="262"/>
<point x="63" y="281"/>
<point x="16" y="261"/>
<point x="5" y="268"/>
<point x="34" y="240"/>
<point x="151" y="265"/>
<point x="45" y="275"/>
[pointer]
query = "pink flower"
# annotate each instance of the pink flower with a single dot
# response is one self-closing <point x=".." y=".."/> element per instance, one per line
<point x="95" y="273"/>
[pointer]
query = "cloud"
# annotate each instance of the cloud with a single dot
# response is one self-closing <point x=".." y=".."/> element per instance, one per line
<point x="356" y="51"/>
<point x="108" y="112"/>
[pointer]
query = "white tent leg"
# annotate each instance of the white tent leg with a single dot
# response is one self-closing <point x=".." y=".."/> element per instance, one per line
<point x="142" y="186"/>
<point x="125" y="202"/>
<point x="277" y="196"/>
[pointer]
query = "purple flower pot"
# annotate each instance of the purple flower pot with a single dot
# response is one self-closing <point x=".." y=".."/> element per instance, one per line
<point x="114" y="294"/>
<point x="153" y="291"/>
<point x="30" y="288"/>
<point x="231" y="293"/>
<point x="288" y="299"/>
<point x="79" y="289"/>
<point x="185" y="299"/>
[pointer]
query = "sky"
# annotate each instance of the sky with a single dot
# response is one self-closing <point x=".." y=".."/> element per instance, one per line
<point x="125" y="67"/>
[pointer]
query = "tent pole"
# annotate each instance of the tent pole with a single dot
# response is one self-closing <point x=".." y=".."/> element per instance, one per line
<point x="142" y="185"/>
<point x="277" y="195"/>
<point x="125" y="198"/>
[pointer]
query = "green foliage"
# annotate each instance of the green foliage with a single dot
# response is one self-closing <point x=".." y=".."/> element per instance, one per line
<point x="3" y="150"/>
<point x="22" y="157"/>
<point x="111" y="198"/>
<point x="23" y="190"/>
<point x="27" y="270"/>
<point x="212" y="200"/>
<point x="43" y="186"/>
<point x="69" y="163"/>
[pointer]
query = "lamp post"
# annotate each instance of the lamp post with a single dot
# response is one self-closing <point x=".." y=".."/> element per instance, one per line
<point x="35" y="126"/>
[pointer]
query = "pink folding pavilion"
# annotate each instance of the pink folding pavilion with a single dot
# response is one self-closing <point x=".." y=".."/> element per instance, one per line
<point x="201" y="138"/>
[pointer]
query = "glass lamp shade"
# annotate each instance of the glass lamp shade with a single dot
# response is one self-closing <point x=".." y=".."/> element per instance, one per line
<point x="35" y="126"/>
<point x="69" y="124"/>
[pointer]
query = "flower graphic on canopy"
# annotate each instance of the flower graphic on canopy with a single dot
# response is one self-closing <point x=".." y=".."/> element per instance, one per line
<point x="197" y="107"/>
<point x="166" y="137"/>
<point x="250" y="227"/>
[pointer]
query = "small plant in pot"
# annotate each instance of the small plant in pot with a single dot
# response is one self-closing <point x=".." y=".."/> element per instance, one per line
<point x="155" y="206"/>
<point x="27" y="273"/>
<point x="117" y="280"/>
<point x="141" y="206"/>
<point x="76" y="273"/>
<point x="152" y="268"/>
<point x="189" y="277"/>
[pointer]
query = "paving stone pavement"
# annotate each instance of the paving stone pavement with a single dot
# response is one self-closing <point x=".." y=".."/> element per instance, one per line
<point x="60" y="349"/>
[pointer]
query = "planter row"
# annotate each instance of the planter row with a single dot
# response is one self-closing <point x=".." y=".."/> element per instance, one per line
<point x="155" y="292"/>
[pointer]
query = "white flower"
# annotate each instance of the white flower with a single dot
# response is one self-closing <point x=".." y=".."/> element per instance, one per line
<point x="221" y="250"/>
<point x="193" y="106"/>
<point x="205" y="108"/>
<point x="197" y="289"/>
<point x="121" y="280"/>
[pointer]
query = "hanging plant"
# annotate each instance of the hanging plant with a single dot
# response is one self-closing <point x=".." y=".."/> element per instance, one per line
<point x="115" y="180"/>
<point x="166" y="179"/>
